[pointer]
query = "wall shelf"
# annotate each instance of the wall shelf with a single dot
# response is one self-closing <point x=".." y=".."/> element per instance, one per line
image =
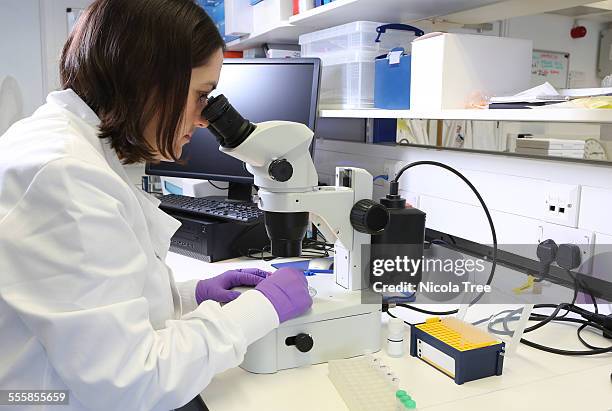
<point x="397" y="11"/>
<point x="284" y="33"/>
<point x="345" y="11"/>
<point x="560" y="115"/>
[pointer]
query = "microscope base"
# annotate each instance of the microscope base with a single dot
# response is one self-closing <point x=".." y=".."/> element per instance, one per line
<point x="338" y="323"/>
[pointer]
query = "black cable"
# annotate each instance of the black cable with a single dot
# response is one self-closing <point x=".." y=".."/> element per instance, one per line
<point x="545" y="319"/>
<point x="583" y="286"/>
<point x="310" y="249"/>
<point x="217" y="187"/>
<point x="316" y="249"/>
<point x="513" y="316"/>
<point x="420" y="310"/>
<point x="491" y="317"/>
<point x="569" y="273"/>
<point x="565" y="352"/>
<point x="586" y="344"/>
<point x="395" y="188"/>
<point x="252" y="253"/>
<point x="393" y="316"/>
<point x="578" y="284"/>
<point x="548" y="319"/>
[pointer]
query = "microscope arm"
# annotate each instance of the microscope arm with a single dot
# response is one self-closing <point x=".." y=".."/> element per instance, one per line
<point x="344" y="213"/>
<point x="329" y="209"/>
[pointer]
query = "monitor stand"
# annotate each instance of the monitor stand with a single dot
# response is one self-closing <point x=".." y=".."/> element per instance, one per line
<point x="240" y="192"/>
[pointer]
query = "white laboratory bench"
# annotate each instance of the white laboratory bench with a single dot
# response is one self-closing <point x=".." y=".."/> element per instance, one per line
<point x="531" y="380"/>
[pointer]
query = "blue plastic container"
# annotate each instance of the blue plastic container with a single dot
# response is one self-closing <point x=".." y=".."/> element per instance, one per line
<point x="392" y="73"/>
<point x="392" y="81"/>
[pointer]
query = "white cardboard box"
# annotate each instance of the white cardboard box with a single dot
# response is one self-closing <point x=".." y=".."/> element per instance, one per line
<point x="238" y="17"/>
<point x="270" y="13"/>
<point x="447" y="70"/>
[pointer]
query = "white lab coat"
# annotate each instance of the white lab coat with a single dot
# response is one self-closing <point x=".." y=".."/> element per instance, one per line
<point x="87" y="303"/>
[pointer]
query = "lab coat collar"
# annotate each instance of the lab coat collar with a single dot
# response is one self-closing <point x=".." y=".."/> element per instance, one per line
<point x="69" y="100"/>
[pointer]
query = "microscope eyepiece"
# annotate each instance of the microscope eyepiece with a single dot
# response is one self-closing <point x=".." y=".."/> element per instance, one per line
<point x="227" y="125"/>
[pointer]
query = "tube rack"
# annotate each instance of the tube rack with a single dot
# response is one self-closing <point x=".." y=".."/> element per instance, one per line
<point x="365" y="384"/>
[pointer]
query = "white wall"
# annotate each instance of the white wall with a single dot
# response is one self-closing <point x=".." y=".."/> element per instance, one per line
<point x="54" y="34"/>
<point x="552" y="32"/>
<point x="32" y="34"/>
<point x="20" y="50"/>
<point x="514" y="189"/>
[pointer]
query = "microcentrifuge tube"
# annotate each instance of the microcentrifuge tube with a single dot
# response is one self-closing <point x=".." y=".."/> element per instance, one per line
<point x="383" y="369"/>
<point x="394" y="382"/>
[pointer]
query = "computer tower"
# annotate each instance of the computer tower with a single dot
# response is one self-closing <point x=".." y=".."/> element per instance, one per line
<point x="213" y="240"/>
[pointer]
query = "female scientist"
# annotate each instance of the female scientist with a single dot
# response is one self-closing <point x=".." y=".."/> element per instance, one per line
<point x="87" y="303"/>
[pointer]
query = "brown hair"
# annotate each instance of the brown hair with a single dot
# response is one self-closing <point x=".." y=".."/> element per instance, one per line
<point x="130" y="59"/>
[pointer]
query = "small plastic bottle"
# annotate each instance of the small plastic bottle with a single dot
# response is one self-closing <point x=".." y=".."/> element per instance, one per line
<point x="395" y="338"/>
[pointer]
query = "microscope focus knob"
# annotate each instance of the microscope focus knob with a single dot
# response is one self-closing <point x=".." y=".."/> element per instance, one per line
<point x="280" y="170"/>
<point x="369" y="217"/>
<point x="303" y="342"/>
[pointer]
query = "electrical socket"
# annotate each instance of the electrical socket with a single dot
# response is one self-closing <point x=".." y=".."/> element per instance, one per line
<point x="585" y="239"/>
<point x="561" y="206"/>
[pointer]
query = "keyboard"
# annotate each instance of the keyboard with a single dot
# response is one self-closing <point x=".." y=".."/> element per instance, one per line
<point x="217" y="207"/>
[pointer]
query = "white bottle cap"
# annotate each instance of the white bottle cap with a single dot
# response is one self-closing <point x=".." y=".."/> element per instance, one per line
<point x="396" y="329"/>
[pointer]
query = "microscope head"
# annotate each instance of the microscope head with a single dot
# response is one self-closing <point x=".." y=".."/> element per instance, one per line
<point x="277" y="154"/>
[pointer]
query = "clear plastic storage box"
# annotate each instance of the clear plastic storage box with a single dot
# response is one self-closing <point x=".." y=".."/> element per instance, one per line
<point x="356" y="36"/>
<point x="347" y="54"/>
<point x="347" y="80"/>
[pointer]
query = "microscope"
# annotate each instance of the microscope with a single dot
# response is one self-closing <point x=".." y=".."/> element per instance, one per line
<point x="339" y="324"/>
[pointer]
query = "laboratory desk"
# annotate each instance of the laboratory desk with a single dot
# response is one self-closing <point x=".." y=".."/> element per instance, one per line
<point x="531" y="380"/>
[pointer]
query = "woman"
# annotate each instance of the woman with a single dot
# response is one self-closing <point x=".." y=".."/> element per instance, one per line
<point x="86" y="302"/>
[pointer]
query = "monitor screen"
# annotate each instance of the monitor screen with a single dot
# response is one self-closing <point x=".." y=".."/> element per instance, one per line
<point x="261" y="90"/>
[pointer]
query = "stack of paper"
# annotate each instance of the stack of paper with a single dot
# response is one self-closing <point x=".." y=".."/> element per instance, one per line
<point x="550" y="147"/>
<point x="545" y="94"/>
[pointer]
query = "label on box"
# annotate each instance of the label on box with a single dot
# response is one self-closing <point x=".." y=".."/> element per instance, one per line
<point x="435" y="357"/>
<point x="395" y="56"/>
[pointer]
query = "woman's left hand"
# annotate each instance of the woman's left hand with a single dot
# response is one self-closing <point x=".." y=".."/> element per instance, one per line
<point x="218" y="288"/>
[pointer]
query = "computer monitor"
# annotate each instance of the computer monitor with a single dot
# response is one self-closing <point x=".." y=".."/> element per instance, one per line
<point x="261" y="90"/>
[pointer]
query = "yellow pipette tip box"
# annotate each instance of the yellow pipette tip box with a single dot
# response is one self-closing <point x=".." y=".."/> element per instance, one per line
<point x="460" y="350"/>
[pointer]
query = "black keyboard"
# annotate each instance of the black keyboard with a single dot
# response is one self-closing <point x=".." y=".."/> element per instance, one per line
<point x="218" y="207"/>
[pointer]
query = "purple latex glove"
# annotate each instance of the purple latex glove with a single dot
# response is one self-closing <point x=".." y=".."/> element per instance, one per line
<point x="218" y="288"/>
<point x="287" y="290"/>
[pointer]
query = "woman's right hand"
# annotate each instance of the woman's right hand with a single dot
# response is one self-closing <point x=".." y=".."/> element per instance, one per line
<point x="287" y="290"/>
